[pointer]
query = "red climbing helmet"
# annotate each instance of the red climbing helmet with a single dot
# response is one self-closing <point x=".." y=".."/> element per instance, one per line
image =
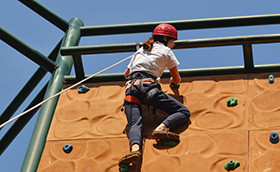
<point x="166" y="30"/>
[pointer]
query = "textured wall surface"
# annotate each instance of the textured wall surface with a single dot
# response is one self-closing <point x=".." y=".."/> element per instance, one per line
<point x="93" y="124"/>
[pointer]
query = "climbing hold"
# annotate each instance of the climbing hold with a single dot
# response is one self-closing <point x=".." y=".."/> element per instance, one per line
<point x="83" y="89"/>
<point x="124" y="168"/>
<point x="232" y="102"/>
<point x="271" y="79"/>
<point x="169" y="142"/>
<point x="166" y="142"/>
<point x="232" y="165"/>
<point x="173" y="85"/>
<point x="67" y="148"/>
<point x="274" y="137"/>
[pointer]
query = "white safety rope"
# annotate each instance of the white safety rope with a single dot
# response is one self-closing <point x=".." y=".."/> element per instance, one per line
<point x="57" y="94"/>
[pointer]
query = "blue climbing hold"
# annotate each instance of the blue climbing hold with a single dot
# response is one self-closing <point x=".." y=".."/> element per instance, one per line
<point x="274" y="137"/>
<point x="67" y="148"/>
<point x="271" y="79"/>
<point x="83" y="89"/>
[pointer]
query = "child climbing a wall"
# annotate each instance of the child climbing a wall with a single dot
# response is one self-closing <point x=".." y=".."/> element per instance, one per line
<point x="148" y="64"/>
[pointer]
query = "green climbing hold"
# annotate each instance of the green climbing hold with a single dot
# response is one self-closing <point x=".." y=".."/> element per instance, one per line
<point x="123" y="168"/>
<point x="231" y="102"/>
<point x="232" y="165"/>
<point x="169" y="142"/>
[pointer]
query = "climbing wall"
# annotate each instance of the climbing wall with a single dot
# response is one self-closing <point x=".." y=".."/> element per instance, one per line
<point x="93" y="123"/>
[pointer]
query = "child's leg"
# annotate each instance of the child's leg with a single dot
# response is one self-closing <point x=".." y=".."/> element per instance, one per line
<point x="134" y="119"/>
<point x="179" y="113"/>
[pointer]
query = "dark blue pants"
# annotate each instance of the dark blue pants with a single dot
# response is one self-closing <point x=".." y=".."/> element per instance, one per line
<point x="179" y="114"/>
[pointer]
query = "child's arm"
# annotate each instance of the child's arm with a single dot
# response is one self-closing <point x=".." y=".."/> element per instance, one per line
<point x="176" y="79"/>
<point x="126" y="73"/>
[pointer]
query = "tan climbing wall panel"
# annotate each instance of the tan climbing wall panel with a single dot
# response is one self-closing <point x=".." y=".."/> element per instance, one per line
<point x="199" y="152"/>
<point x="86" y="156"/>
<point x="264" y="156"/>
<point x="92" y="115"/>
<point x="263" y="98"/>
<point x="93" y="123"/>
<point x="206" y="98"/>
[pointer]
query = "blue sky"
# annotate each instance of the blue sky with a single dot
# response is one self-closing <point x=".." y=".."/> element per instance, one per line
<point x="16" y="69"/>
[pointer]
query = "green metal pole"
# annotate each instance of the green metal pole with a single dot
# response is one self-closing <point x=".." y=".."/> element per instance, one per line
<point x="79" y="68"/>
<point x="38" y="139"/>
<point x="248" y="57"/>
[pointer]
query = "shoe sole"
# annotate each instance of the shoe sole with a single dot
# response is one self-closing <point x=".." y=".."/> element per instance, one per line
<point x="129" y="159"/>
<point x="164" y="135"/>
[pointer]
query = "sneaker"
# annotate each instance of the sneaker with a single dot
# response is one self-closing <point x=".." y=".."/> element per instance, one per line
<point x="131" y="157"/>
<point x="165" y="134"/>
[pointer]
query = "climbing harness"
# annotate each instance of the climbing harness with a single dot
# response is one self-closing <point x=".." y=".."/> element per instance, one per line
<point x="139" y="78"/>
<point x="57" y="94"/>
<point x="133" y="99"/>
<point x="145" y="96"/>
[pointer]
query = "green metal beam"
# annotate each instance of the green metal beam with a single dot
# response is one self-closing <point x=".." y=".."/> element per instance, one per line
<point x="79" y="68"/>
<point x="16" y="128"/>
<point x="111" y="77"/>
<point x="227" y="41"/>
<point x="22" y="95"/>
<point x="182" y="24"/>
<point x="27" y="50"/>
<point x="27" y="88"/>
<point x="248" y="57"/>
<point x="99" y="49"/>
<point x="47" y="14"/>
<point x="181" y="44"/>
<point x="228" y="70"/>
<point x="38" y="139"/>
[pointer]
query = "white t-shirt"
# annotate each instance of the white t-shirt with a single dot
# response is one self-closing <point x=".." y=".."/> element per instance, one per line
<point x="154" y="61"/>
